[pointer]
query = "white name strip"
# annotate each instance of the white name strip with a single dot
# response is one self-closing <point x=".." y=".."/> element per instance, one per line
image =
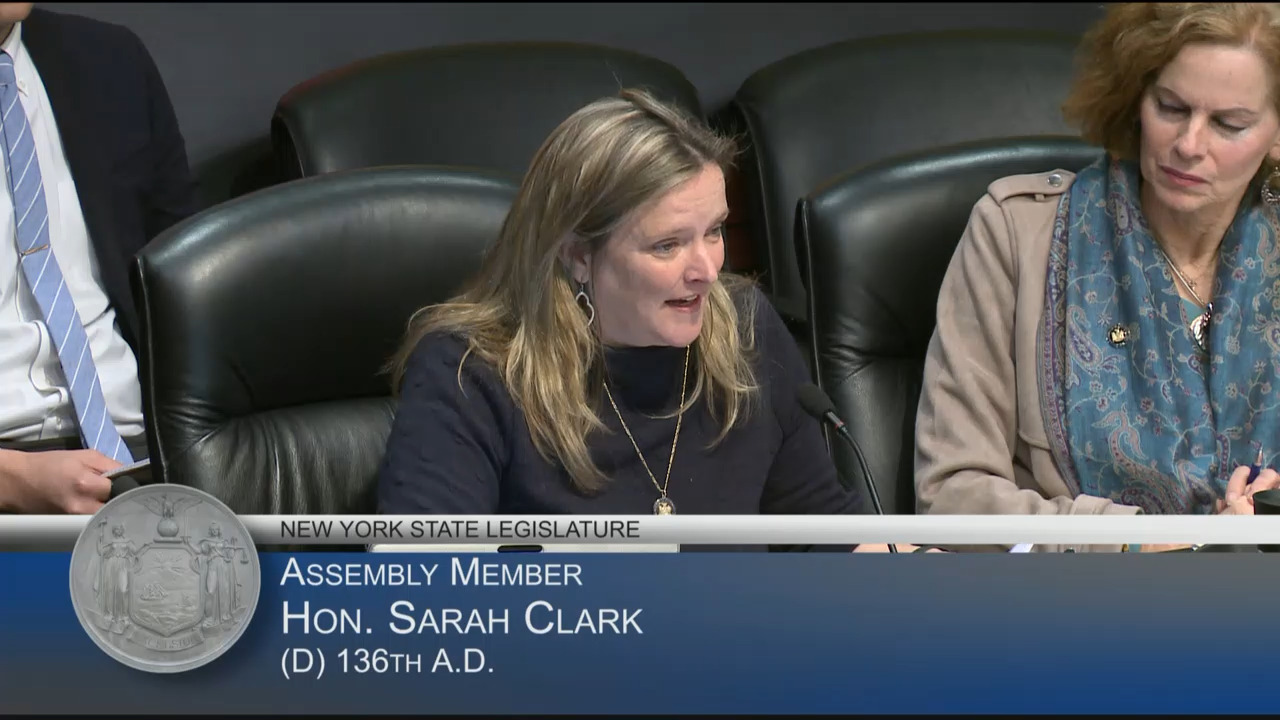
<point x="709" y="529"/>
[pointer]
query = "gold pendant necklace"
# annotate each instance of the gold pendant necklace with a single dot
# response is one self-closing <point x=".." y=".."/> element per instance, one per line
<point x="663" y="505"/>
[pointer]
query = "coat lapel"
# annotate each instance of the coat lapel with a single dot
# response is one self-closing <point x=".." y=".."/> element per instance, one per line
<point x="55" y="60"/>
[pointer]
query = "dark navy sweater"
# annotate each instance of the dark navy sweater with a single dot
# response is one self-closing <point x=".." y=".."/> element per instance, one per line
<point x="468" y="450"/>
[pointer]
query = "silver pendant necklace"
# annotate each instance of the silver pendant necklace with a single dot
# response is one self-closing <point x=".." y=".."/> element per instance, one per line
<point x="1199" y="325"/>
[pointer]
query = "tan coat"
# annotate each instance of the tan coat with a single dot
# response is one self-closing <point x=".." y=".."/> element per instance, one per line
<point x="981" y="446"/>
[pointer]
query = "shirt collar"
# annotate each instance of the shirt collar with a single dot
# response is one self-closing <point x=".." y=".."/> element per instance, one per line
<point x="13" y="44"/>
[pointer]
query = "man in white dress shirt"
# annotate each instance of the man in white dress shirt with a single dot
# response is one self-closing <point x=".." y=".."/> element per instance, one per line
<point x="110" y="165"/>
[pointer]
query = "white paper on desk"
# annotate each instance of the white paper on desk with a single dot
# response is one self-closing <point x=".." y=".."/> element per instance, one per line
<point x="1022" y="548"/>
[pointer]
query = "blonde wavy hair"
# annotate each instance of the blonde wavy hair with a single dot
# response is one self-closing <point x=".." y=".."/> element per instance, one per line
<point x="1121" y="56"/>
<point x="518" y="314"/>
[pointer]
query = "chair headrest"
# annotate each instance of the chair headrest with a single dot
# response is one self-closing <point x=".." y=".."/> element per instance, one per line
<point x="477" y="104"/>
<point x="300" y="292"/>
<point x="875" y="243"/>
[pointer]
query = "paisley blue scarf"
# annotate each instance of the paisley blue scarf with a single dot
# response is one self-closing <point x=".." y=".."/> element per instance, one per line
<point x="1147" y="418"/>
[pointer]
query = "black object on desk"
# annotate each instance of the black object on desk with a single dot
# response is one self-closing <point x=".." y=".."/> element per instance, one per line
<point x="1267" y="502"/>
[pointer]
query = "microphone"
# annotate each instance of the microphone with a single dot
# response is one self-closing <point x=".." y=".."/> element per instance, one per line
<point x="819" y="405"/>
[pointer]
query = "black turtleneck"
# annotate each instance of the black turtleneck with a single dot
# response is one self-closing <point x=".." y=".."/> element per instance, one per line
<point x="470" y="453"/>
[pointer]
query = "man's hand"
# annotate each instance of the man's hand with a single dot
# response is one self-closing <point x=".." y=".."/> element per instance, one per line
<point x="54" y="482"/>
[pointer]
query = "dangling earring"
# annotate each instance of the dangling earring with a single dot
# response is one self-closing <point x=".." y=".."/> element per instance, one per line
<point x="1269" y="195"/>
<point x="584" y="302"/>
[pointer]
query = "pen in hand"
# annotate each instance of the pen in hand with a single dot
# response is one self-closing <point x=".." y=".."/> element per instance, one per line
<point x="1256" y="468"/>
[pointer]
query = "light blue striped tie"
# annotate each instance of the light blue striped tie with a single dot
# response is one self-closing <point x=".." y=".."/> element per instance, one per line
<point x="45" y="277"/>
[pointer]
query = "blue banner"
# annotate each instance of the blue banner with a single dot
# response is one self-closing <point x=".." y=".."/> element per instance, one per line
<point x="686" y="633"/>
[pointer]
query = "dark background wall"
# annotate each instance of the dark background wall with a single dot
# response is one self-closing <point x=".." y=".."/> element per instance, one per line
<point x="226" y="64"/>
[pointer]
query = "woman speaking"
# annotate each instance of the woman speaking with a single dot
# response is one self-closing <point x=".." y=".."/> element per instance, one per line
<point x="600" y="362"/>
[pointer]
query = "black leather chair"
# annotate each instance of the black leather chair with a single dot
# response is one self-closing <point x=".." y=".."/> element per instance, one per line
<point x="827" y="111"/>
<point x="482" y="105"/>
<point x="874" y="247"/>
<point x="266" y="321"/>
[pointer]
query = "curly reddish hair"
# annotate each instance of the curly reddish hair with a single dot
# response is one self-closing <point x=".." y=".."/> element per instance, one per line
<point x="1121" y="56"/>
